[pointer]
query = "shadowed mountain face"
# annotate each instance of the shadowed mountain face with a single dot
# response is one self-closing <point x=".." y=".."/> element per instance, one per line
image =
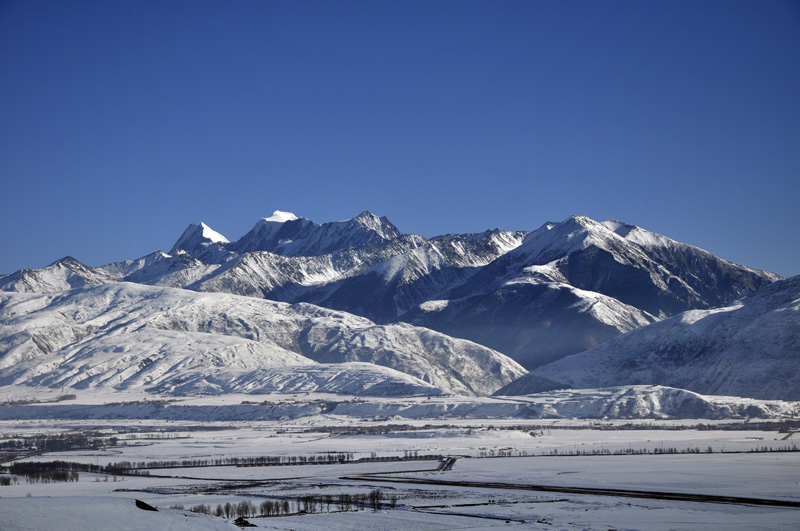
<point x="535" y="296"/>
<point x="750" y="349"/>
<point x="533" y="323"/>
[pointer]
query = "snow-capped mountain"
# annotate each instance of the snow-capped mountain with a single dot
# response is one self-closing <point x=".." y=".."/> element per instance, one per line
<point x="750" y="348"/>
<point x="286" y="234"/>
<point x="289" y="235"/>
<point x="640" y="268"/>
<point x="536" y="297"/>
<point x="573" y="285"/>
<point x="129" y="336"/>
<point x="363" y="266"/>
<point x="198" y="236"/>
<point x="413" y="273"/>
<point x="64" y="274"/>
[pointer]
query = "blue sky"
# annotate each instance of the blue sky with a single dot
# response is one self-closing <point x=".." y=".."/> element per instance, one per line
<point x="123" y="122"/>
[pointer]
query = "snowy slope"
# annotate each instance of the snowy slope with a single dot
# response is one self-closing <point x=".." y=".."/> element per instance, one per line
<point x="128" y="336"/>
<point x="356" y="379"/>
<point x="273" y="276"/>
<point x="178" y="269"/>
<point x="414" y="272"/>
<point x="655" y="401"/>
<point x="635" y="402"/>
<point x="750" y="348"/>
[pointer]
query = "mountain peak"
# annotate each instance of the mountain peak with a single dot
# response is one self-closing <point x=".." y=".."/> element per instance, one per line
<point x="289" y="235"/>
<point x="280" y="216"/>
<point x="366" y="215"/>
<point x="197" y="235"/>
<point x="212" y="235"/>
<point x="580" y="220"/>
<point x="67" y="261"/>
<point x="555" y="240"/>
<point x="380" y="225"/>
<point x="586" y="223"/>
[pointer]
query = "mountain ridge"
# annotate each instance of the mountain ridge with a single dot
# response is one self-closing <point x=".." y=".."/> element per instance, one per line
<point x="536" y="296"/>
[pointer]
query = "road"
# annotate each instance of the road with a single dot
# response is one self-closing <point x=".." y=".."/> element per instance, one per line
<point x="623" y="493"/>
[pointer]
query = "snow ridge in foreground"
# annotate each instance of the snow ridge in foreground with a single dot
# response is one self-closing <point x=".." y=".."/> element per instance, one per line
<point x="636" y="402"/>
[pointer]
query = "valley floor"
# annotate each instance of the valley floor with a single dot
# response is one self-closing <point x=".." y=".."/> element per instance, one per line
<point x="533" y="473"/>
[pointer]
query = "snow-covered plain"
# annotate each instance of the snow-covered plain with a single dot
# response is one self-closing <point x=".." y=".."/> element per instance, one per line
<point x="515" y="452"/>
<point x="98" y="513"/>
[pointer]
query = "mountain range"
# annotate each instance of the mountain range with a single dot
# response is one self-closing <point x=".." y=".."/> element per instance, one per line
<point x="458" y="313"/>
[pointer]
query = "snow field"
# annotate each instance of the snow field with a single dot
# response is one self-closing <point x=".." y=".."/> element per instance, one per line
<point x="761" y="475"/>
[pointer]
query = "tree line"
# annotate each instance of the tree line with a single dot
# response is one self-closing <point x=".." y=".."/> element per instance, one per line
<point x="308" y="504"/>
<point x="324" y="459"/>
<point x="670" y="450"/>
<point x="60" y="442"/>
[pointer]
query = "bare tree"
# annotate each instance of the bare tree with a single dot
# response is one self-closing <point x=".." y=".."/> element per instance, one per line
<point x="375" y="498"/>
<point x="345" y="500"/>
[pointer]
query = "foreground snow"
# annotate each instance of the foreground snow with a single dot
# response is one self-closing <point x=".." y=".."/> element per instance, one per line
<point x="91" y="513"/>
<point x="97" y="501"/>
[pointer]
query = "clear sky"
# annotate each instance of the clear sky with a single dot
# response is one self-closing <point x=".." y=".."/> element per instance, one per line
<point x="123" y="122"/>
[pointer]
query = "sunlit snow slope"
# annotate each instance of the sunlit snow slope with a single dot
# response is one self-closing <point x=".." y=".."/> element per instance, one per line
<point x="126" y="336"/>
